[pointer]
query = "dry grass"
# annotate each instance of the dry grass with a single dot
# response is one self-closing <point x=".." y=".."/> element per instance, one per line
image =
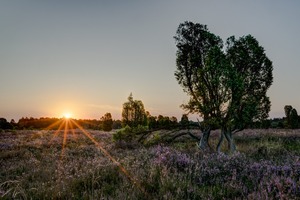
<point x="35" y="166"/>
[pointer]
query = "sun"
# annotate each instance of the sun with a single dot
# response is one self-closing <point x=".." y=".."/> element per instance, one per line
<point x="67" y="115"/>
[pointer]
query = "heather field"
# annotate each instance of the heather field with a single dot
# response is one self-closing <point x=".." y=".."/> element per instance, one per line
<point x="37" y="165"/>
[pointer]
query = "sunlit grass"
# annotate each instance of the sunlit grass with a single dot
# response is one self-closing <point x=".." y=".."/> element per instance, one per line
<point x="67" y="125"/>
<point x="33" y="168"/>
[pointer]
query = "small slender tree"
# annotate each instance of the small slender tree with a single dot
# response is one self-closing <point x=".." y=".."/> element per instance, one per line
<point x="133" y="113"/>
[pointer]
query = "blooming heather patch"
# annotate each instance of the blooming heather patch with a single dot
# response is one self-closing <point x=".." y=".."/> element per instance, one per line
<point x="267" y="167"/>
<point x="171" y="158"/>
<point x="233" y="175"/>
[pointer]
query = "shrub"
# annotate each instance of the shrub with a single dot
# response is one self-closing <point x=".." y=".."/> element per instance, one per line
<point x="125" y="134"/>
<point x="128" y="134"/>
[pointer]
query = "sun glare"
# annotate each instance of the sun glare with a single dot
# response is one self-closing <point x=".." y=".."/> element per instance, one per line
<point x="67" y="115"/>
<point x="67" y="125"/>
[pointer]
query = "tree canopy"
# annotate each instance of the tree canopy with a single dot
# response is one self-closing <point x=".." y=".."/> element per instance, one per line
<point x="133" y="113"/>
<point x="107" y="122"/>
<point x="227" y="85"/>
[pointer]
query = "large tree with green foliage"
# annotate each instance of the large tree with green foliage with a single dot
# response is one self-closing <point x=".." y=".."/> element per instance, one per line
<point x="227" y="86"/>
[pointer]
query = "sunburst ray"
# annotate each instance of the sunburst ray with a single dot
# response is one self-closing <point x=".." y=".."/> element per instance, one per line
<point x="65" y="138"/>
<point x="57" y="131"/>
<point x="67" y="124"/>
<point x="108" y="155"/>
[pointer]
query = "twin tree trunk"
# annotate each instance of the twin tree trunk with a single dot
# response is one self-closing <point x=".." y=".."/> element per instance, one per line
<point x="204" y="145"/>
<point x="229" y="138"/>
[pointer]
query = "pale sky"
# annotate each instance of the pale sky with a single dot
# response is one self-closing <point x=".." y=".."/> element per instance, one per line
<point x="85" y="57"/>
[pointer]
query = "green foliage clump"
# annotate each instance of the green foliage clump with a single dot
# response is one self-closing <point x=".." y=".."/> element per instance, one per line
<point x="155" y="139"/>
<point x="128" y="134"/>
<point x="125" y="134"/>
<point x="139" y="129"/>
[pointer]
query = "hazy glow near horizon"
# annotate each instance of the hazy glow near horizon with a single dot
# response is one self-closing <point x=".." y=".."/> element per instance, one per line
<point x="67" y="115"/>
<point x="86" y="57"/>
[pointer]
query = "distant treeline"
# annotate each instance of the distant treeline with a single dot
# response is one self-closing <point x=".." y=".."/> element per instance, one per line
<point x="101" y="124"/>
<point x="104" y="123"/>
<point x="135" y="116"/>
<point x="290" y="121"/>
<point x="153" y="123"/>
<point x="53" y="123"/>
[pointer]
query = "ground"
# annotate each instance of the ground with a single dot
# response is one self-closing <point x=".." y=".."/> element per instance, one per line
<point x="37" y="165"/>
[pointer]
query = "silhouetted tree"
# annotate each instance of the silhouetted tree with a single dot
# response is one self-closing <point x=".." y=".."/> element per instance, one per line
<point x="227" y="88"/>
<point x="292" y="119"/>
<point x="173" y="121"/>
<point x="117" y="124"/>
<point x="107" y="122"/>
<point x="13" y="123"/>
<point x="160" y="120"/>
<point x="133" y="113"/>
<point x="277" y="123"/>
<point x="184" y="120"/>
<point x="152" y="123"/>
<point x="4" y="124"/>
<point x="166" y="122"/>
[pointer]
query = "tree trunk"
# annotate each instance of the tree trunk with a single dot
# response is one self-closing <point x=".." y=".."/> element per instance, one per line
<point x="231" y="145"/>
<point x="203" y="144"/>
<point x="220" y="141"/>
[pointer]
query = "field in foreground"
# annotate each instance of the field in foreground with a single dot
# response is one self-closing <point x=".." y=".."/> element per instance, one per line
<point x="35" y="166"/>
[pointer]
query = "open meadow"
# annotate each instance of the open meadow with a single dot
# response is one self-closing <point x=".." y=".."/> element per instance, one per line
<point x="37" y="165"/>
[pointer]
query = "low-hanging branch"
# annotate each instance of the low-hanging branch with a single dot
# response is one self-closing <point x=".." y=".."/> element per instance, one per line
<point x="182" y="134"/>
<point x="178" y="128"/>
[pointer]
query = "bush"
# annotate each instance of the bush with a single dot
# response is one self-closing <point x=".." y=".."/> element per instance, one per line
<point x="125" y="134"/>
<point x="128" y="134"/>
